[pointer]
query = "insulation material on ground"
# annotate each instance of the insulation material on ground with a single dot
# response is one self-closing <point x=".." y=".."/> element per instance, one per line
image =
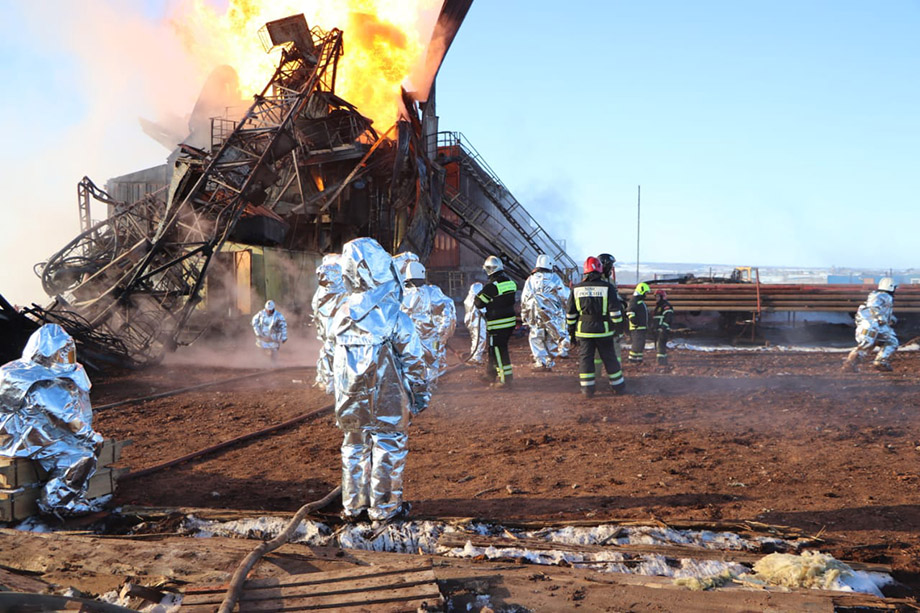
<point x="422" y="537"/>
<point x="813" y="569"/>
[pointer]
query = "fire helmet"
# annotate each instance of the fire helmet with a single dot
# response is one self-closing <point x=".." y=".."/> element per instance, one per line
<point x="592" y="264"/>
<point x="492" y="265"/>
<point x="415" y="270"/>
<point x="641" y="289"/>
<point x="544" y="261"/>
<point x="607" y="262"/>
<point x="269" y="305"/>
<point x="661" y="294"/>
<point x="887" y="284"/>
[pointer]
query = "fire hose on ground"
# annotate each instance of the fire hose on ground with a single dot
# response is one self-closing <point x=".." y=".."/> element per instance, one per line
<point x="239" y="439"/>
<point x="198" y="386"/>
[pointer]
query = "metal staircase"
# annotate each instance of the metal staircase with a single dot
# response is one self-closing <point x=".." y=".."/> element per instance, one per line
<point x="511" y="232"/>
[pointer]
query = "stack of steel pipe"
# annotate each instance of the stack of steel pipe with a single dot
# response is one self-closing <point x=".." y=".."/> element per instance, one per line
<point x="772" y="297"/>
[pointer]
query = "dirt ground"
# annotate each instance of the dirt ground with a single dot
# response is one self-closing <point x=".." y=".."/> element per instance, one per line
<point x="778" y="437"/>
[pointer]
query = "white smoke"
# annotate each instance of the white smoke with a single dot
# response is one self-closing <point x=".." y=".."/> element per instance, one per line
<point x="85" y="73"/>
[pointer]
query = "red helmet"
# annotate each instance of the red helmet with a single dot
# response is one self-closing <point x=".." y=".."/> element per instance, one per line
<point x="593" y="264"/>
<point x="661" y="294"/>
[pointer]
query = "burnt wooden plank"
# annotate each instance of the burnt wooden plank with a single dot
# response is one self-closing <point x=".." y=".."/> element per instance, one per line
<point x="373" y="589"/>
<point x="17" y="582"/>
<point x="354" y="573"/>
<point x="342" y="582"/>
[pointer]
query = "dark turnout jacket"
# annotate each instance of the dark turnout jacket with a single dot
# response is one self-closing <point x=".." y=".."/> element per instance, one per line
<point x="593" y="310"/>
<point x="663" y="315"/>
<point x="637" y="313"/>
<point x="497" y="297"/>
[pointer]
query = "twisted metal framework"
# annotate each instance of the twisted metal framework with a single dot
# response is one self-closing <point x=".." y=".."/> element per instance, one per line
<point x="144" y="292"/>
<point x="100" y="244"/>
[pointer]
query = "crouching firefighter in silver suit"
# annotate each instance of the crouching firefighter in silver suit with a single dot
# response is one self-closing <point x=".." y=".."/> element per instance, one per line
<point x="874" y="321"/>
<point x="46" y="416"/>
<point x="380" y="380"/>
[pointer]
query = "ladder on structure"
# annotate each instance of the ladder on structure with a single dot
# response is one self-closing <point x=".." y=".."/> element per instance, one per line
<point x="485" y="232"/>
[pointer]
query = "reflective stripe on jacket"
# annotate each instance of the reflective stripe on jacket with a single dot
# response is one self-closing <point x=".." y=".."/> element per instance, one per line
<point x="663" y="314"/>
<point x="593" y="309"/>
<point x="637" y="313"/>
<point x="497" y="297"/>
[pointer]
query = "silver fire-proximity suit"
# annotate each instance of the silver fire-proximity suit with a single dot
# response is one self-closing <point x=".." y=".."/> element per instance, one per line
<point x="380" y="379"/>
<point x="442" y="308"/>
<point x="475" y="320"/>
<point x="270" y="328"/>
<point x="874" y="321"/>
<point x="46" y="415"/>
<point x="444" y="312"/>
<point x="566" y="344"/>
<point x="543" y="310"/>
<point x="330" y="293"/>
<point x="417" y="304"/>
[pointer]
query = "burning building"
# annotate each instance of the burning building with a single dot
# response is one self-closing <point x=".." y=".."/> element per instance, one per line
<point x="251" y="200"/>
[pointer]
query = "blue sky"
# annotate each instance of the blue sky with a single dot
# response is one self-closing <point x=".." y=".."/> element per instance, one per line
<point x="763" y="133"/>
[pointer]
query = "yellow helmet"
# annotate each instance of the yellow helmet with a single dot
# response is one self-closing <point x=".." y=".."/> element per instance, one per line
<point x="641" y="289"/>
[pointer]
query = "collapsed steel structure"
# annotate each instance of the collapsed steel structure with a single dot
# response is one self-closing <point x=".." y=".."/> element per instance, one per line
<point x="302" y="169"/>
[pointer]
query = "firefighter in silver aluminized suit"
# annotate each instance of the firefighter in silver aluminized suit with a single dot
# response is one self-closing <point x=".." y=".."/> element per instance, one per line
<point x="874" y="321"/>
<point x="45" y="415"/>
<point x="416" y="303"/>
<point x="543" y="310"/>
<point x="380" y="379"/>
<point x="475" y="320"/>
<point x="444" y="312"/>
<point x="270" y="328"/>
<point x="329" y="294"/>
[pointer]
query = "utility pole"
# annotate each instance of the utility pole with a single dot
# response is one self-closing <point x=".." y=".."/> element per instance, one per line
<point x="638" y="226"/>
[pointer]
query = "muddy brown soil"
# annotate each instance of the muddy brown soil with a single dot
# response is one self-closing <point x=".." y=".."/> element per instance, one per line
<point x="777" y="437"/>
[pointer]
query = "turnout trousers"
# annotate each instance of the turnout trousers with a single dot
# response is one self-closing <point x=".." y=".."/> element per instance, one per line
<point x="661" y="347"/>
<point x="637" y="345"/>
<point x="603" y="346"/>
<point x="499" y="358"/>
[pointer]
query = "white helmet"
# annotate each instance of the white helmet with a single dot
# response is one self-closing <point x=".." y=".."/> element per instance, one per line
<point x="544" y="261"/>
<point x="269" y="305"/>
<point x="492" y="265"/>
<point x="415" y="270"/>
<point x="887" y="284"/>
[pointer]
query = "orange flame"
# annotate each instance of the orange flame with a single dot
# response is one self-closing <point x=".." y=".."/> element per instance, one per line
<point x="383" y="41"/>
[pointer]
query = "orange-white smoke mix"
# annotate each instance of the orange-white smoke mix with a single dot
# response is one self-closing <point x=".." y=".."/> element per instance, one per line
<point x="384" y="41"/>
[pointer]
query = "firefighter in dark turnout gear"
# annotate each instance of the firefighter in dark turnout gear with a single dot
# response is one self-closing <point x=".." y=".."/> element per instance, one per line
<point x="610" y="276"/>
<point x="662" y="317"/>
<point x="497" y="298"/>
<point x="593" y="314"/>
<point x="637" y="312"/>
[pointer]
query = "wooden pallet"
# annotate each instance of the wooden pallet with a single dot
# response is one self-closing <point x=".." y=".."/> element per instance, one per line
<point x="371" y="589"/>
<point x="21" y="481"/>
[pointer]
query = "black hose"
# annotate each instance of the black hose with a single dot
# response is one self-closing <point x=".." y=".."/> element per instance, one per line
<point x="196" y="387"/>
